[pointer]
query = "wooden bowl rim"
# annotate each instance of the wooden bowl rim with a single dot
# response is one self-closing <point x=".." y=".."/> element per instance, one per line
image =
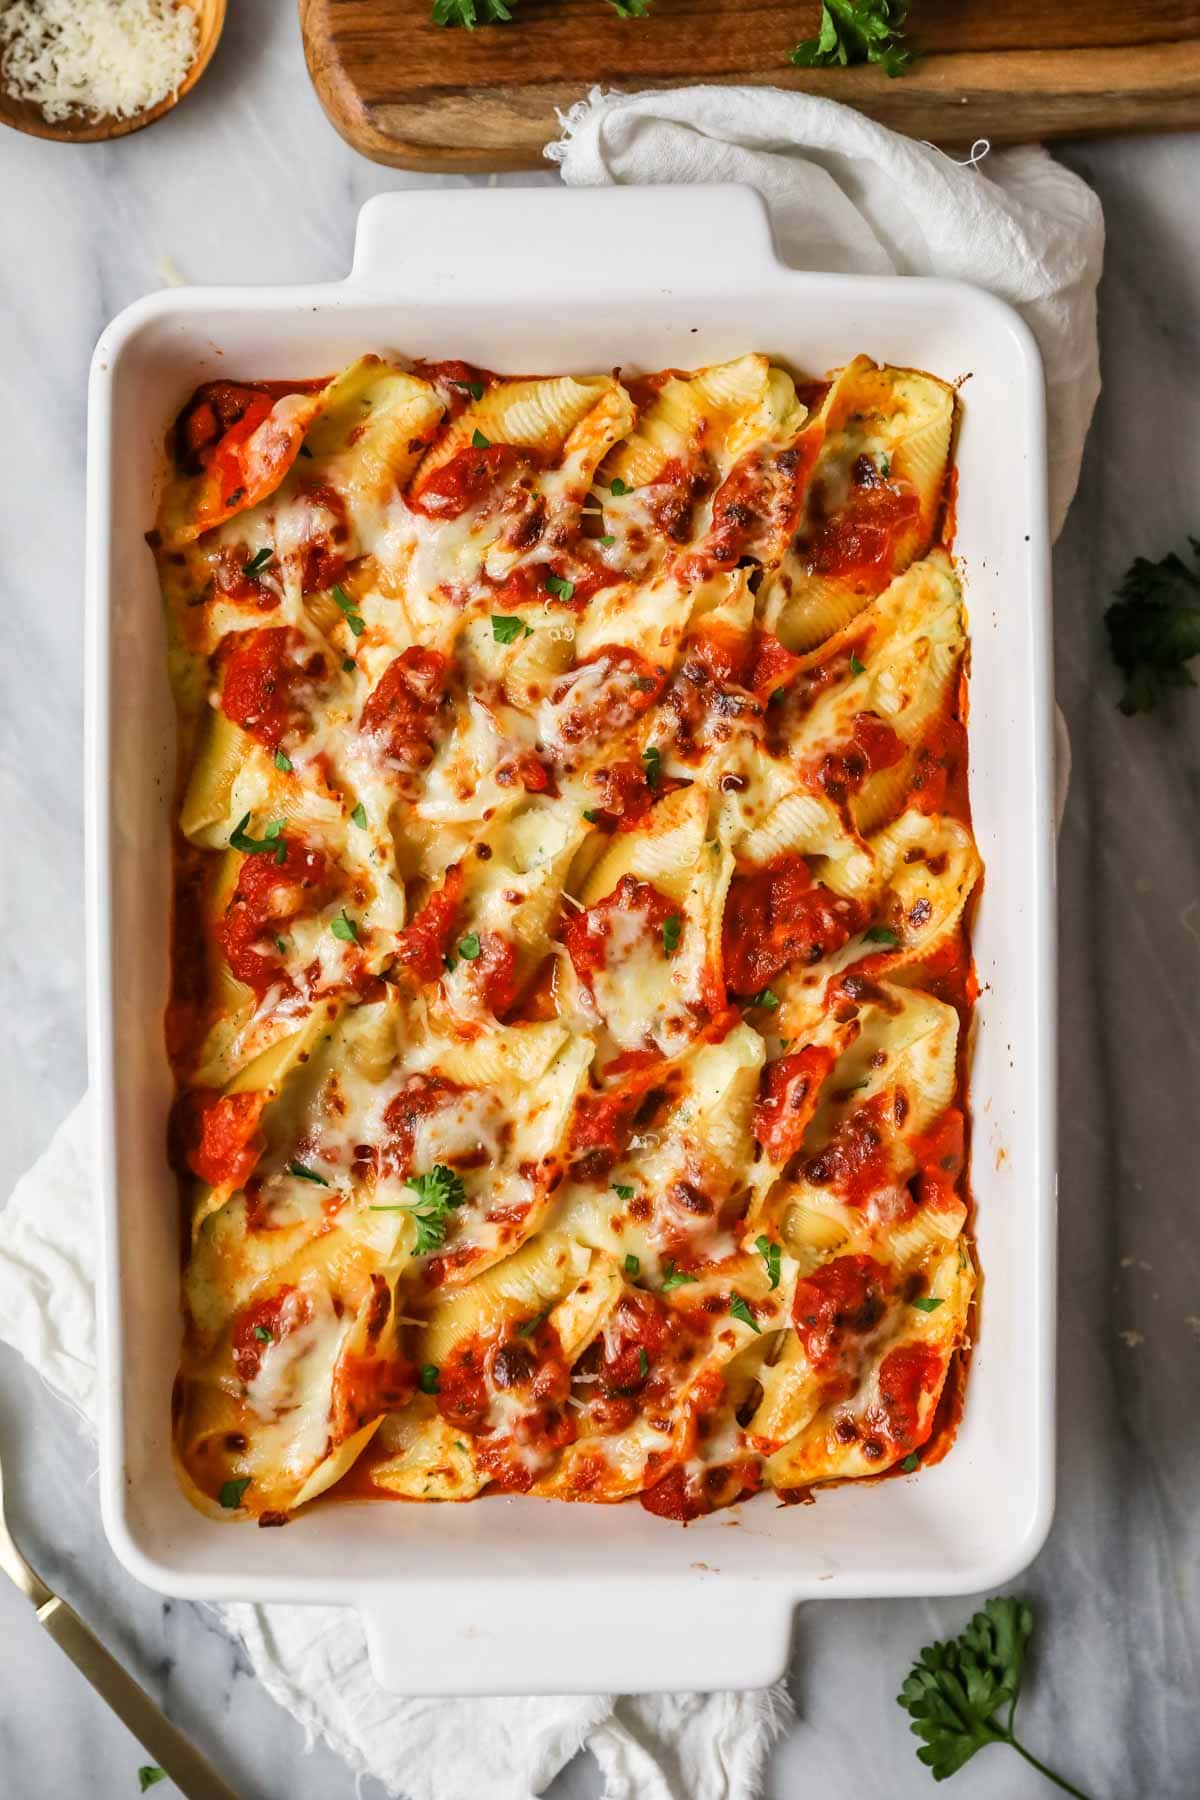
<point x="26" y="115"/>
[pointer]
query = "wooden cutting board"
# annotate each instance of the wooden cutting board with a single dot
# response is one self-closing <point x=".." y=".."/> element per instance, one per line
<point x="407" y="92"/>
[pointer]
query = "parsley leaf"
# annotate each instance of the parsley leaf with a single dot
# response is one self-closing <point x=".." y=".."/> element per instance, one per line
<point x="469" y="947"/>
<point x="670" y="934"/>
<point x="531" y="1325"/>
<point x="231" y="1495"/>
<point x="348" y="665"/>
<point x="631" y="9"/>
<point x="633" y="1264"/>
<point x="619" y="487"/>
<point x="470" y="13"/>
<point x="592" y="815"/>
<point x="1154" y="628"/>
<point x="258" y="561"/>
<point x="345" y="604"/>
<point x="643" y="1362"/>
<point x="672" y="1277"/>
<point x="263" y="1333"/>
<point x="474" y="388"/>
<point x="359" y="816"/>
<point x="957" y="1692"/>
<point x="608" y="540"/>
<point x="766" y="998"/>
<point x="881" y="934"/>
<point x="911" y="1463"/>
<point x="855" y="31"/>
<point x="345" y="928"/>
<point x="926" y="1303"/>
<point x="856" y="667"/>
<point x="271" y="843"/>
<point x="621" y="1191"/>
<point x="478" y="441"/>
<point x="740" y="1309"/>
<point x="427" y="1380"/>
<point x="281" y="946"/>
<point x="149" y="1775"/>
<point x="652" y="757"/>
<point x="504" y="630"/>
<point x="770" y="1254"/>
<point x="558" y="584"/>
<point x="283" y="763"/>
<point x="438" y="1192"/>
<point x="303" y="1173"/>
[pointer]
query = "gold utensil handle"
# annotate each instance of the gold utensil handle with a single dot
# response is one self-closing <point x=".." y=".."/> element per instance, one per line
<point x="170" y="1749"/>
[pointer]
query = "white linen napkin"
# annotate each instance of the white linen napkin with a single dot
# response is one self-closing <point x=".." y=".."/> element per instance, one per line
<point x="845" y="194"/>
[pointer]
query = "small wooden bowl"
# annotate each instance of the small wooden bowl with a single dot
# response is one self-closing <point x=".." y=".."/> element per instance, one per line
<point x="25" y="115"/>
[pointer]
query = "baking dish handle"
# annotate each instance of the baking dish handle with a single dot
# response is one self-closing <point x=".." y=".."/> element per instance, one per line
<point x="595" y="239"/>
<point x="612" y="1636"/>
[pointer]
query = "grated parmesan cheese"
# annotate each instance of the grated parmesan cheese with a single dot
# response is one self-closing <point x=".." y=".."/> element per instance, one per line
<point x="107" y="58"/>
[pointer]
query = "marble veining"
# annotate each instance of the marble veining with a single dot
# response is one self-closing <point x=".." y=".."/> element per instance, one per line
<point x="247" y="182"/>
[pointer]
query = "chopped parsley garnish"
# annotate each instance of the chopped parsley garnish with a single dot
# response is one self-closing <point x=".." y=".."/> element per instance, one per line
<point x="258" y="561"/>
<point x="856" y="31"/>
<point x="621" y="1191"/>
<point x="631" y="9"/>
<point x="478" y="441"/>
<point x="281" y="946"/>
<point x="619" y="487"/>
<point x="271" y="843"/>
<point x="856" y="667"/>
<point x="359" y="816"/>
<point x="283" y="763"/>
<point x="885" y="465"/>
<point x="427" y="1380"/>
<point x="770" y="1254"/>
<point x="643" y="1362"/>
<point x="1154" y="628"/>
<point x="741" y="1310"/>
<point x="149" y="1775"/>
<point x="302" y="1172"/>
<point x="349" y="607"/>
<point x="592" y="815"/>
<point x="608" y="540"/>
<point x="504" y="630"/>
<point x="911" y="1462"/>
<point x="531" y="1325"/>
<point x="474" y="388"/>
<point x="348" y="665"/>
<point x="469" y="948"/>
<point x="652" y="757"/>
<point x="881" y="934"/>
<point x="673" y="1277"/>
<point x="927" y="1303"/>
<point x="670" y="934"/>
<point x="470" y="13"/>
<point x="557" y="584"/>
<point x="345" y="928"/>
<point x="263" y="1333"/>
<point x="232" y="1491"/>
<point x="963" y="1694"/>
<point x="633" y="1264"/>
<point x="767" y="998"/>
<point x="438" y="1192"/>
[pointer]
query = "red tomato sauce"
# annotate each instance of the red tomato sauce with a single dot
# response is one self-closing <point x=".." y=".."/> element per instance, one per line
<point x="400" y="711"/>
<point x="905" y="1376"/>
<point x="494" y="971"/>
<point x="627" y="686"/>
<point x="873" y="747"/>
<point x="221" y="1135"/>
<point x="420" y="1097"/>
<point x="469" y="476"/>
<point x="625" y="795"/>
<point x="423" y="945"/>
<point x="266" y="672"/>
<point x="859" y="542"/>
<point x="777" y="916"/>
<point x="587" y="934"/>
<point x="264" y="1323"/>
<point x="855" y="1162"/>
<point x="789" y="1091"/>
<point x="268" y="896"/>
<point x="845" y="1298"/>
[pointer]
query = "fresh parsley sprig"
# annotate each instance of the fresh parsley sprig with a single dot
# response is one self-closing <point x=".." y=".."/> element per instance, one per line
<point x="1154" y="628"/>
<point x="856" y="31"/>
<point x="271" y="843"/>
<point x="470" y="12"/>
<point x="439" y="1191"/>
<point x="962" y="1694"/>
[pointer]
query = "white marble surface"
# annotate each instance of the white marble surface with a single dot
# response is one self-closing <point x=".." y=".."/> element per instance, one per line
<point x="247" y="182"/>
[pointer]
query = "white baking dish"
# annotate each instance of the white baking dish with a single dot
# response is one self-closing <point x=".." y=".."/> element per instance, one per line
<point x="517" y="1594"/>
